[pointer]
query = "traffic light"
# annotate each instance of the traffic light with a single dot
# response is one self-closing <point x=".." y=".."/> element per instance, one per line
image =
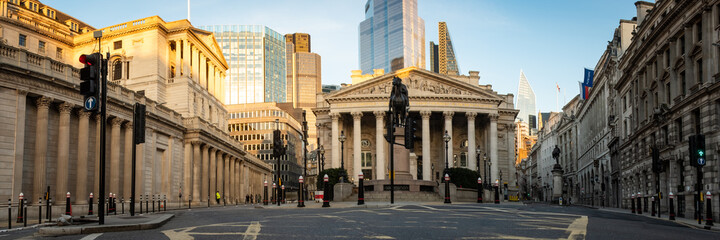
<point x="656" y="165"/>
<point x="389" y="126"/>
<point x="277" y="144"/>
<point x="90" y="76"/>
<point x="696" y="145"/>
<point x="410" y="133"/>
<point x="139" y="123"/>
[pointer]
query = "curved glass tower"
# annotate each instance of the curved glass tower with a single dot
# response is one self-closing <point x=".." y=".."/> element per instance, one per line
<point x="392" y="36"/>
<point x="256" y="55"/>
<point x="525" y="99"/>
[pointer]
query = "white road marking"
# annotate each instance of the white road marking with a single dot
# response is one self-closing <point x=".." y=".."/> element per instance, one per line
<point x="91" y="236"/>
<point x="578" y="229"/>
<point x="252" y="231"/>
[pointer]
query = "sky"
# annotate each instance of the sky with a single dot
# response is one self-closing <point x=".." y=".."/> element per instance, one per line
<point x="550" y="41"/>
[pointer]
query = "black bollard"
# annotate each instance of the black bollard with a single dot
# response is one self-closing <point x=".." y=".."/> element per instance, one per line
<point x="20" y="208"/>
<point x="141" y="212"/>
<point x="709" y="218"/>
<point x="497" y="191"/>
<point x="49" y="208"/>
<point x="39" y="210"/>
<point x="282" y="194"/>
<point x="189" y="203"/>
<point x="447" y="188"/>
<point x="90" y="205"/>
<point x="9" y="213"/>
<point x="25" y="213"/>
<point x="326" y="202"/>
<point x="265" y="194"/>
<point x="652" y="212"/>
<point x="122" y="205"/>
<point x="632" y="201"/>
<point x="639" y="203"/>
<point x="480" y="191"/>
<point x="208" y="200"/>
<point x="147" y="202"/>
<point x="659" y="203"/>
<point x="153" y="202"/>
<point x="274" y="194"/>
<point x="164" y="203"/>
<point x="114" y="203"/>
<point x="301" y="199"/>
<point x="671" y="206"/>
<point x="361" y="190"/>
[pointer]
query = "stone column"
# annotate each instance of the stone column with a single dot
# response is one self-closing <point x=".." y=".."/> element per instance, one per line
<point x="334" y="139"/>
<point x="427" y="170"/>
<point x="220" y="173"/>
<point x="213" y="173"/>
<point x="186" y="58"/>
<point x="187" y="170"/>
<point x="197" y="161"/>
<point x="380" y="144"/>
<point x="493" y="147"/>
<point x="231" y="178"/>
<point x="41" y="135"/>
<point x="202" y="62"/>
<point x="357" y="165"/>
<point x="448" y="127"/>
<point x="205" y="170"/>
<point x="471" y="157"/>
<point x="236" y="179"/>
<point x="63" y="153"/>
<point x="178" y="59"/>
<point x="82" y="160"/>
<point x="127" y="183"/>
<point x="226" y="177"/>
<point x="115" y="155"/>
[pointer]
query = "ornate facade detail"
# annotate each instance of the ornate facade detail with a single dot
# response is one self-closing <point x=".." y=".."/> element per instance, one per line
<point x="471" y="116"/>
<point x="493" y="116"/>
<point x="43" y="102"/>
<point x="83" y="114"/>
<point x="448" y="115"/>
<point x="379" y="114"/>
<point x="65" y="108"/>
<point x="334" y="116"/>
<point x="357" y="115"/>
<point x="116" y="122"/>
<point x="425" y="114"/>
<point x="129" y="125"/>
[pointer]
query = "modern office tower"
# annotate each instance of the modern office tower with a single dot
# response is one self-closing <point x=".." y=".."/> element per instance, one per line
<point x="445" y="52"/>
<point x="526" y="99"/>
<point x="256" y="55"/>
<point x="392" y="36"/>
<point x="303" y="79"/>
<point x="300" y="40"/>
<point x="434" y="60"/>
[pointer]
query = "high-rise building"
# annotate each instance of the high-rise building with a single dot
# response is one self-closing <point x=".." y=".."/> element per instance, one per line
<point x="442" y="55"/>
<point x="303" y="79"/>
<point x="256" y="55"/>
<point x="526" y="99"/>
<point x="392" y="36"/>
<point x="300" y="40"/>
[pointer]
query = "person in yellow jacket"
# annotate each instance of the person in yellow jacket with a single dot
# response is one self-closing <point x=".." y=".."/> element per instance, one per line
<point x="217" y="196"/>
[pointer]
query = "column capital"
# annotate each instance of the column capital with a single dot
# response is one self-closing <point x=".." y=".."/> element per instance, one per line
<point x="425" y="114"/>
<point x="357" y="115"/>
<point x="379" y="114"/>
<point x="493" y="116"/>
<point x="65" y="108"/>
<point x="334" y="116"/>
<point x="128" y="125"/>
<point x="205" y="147"/>
<point x="196" y="142"/>
<point x="448" y="115"/>
<point x="84" y="114"/>
<point x="471" y="115"/>
<point x="116" y="121"/>
<point x="215" y="150"/>
<point x="43" y="102"/>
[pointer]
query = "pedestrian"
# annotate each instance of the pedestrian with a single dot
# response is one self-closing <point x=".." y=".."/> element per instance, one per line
<point x="247" y="199"/>
<point x="251" y="199"/>
<point x="217" y="197"/>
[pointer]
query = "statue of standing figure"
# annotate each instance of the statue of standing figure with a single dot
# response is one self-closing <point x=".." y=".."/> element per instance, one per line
<point x="556" y="154"/>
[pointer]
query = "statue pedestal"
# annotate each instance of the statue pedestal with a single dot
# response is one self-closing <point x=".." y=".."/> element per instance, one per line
<point x="557" y="183"/>
<point x="401" y="157"/>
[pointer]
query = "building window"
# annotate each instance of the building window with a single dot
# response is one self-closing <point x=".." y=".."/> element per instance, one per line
<point x="699" y="71"/>
<point x="667" y="93"/>
<point x="667" y="58"/>
<point x="682" y="45"/>
<point x="117" y="45"/>
<point x="682" y="83"/>
<point x="117" y="69"/>
<point x="22" y="40"/>
<point x="698" y="27"/>
<point x="41" y="47"/>
<point x="59" y="53"/>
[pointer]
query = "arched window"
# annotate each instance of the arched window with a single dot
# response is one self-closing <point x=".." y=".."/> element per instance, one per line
<point x="117" y="69"/>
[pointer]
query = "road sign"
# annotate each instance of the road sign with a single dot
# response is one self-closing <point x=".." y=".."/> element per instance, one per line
<point x="701" y="161"/>
<point x="90" y="103"/>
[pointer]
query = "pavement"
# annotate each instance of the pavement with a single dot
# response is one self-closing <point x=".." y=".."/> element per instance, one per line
<point x="112" y="224"/>
<point x="683" y="221"/>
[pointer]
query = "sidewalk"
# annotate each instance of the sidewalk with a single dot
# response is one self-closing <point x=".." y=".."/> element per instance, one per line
<point x="683" y="221"/>
<point x="112" y="224"/>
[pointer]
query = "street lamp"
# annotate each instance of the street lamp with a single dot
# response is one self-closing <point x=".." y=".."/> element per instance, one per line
<point x="477" y="155"/>
<point x="277" y="170"/>
<point x="446" y="138"/>
<point x="342" y="156"/>
<point x="322" y="158"/>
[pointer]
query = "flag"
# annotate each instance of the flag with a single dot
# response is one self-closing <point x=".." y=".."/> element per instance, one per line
<point x="584" y="90"/>
<point x="558" y="86"/>
<point x="588" y="80"/>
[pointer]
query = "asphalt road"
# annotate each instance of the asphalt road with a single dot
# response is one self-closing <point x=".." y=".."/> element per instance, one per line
<point x="432" y="221"/>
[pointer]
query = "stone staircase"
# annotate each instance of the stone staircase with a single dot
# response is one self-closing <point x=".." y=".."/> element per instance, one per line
<point x="400" y="196"/>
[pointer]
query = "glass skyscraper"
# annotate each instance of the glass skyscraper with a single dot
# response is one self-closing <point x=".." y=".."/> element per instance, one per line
<point x="525" y="99"/>
<point x="256" y="55"/>
<point x="392" y="36"/>
<point x="442" y="56"/>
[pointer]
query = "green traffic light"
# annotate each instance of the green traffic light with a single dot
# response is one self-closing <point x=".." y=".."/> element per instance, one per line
<point x="701" y="153"/>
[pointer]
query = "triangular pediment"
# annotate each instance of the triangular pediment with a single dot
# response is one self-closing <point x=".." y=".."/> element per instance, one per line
<point x="420" y="83"/>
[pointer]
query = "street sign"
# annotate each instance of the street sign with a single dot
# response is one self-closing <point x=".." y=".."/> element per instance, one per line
<point x="701" y="161"/>
<point x="90" y="103"/>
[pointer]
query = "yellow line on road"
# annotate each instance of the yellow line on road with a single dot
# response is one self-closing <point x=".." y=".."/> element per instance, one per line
<point x="578" y="229"/>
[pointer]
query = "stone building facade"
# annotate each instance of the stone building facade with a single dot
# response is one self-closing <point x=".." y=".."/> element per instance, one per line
<point x="48" y="140"/>
<point x="474" y="115"/>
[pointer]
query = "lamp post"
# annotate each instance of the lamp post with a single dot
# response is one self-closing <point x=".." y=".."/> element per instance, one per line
<point x="322" y="158"/>
<point x="342" y="156"/>
<point x="277" y="170"/>
<point x="446" y="138"/>
<point x="487" y="168"/>
<point x="303" y="195"/>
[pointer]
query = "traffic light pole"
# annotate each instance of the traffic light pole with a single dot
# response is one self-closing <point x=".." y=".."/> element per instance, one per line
<point x="103" y="118"/>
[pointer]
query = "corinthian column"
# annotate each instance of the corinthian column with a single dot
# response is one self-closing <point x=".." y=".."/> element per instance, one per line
<point x="426" y="170"/>
<point x="357" y="165"/>
<point x="379" y="145"/>
<point x="448" y="127"/>
<point x="43" y="104"/>
<point x="127" y="173"/>
<point x="115" y="155"/>
<point x="213" y="173"/>
<point x="205" y="177"/>
<point x="82" y="161"/>
<point x="196" y="171"/>
<point x="334" y="139"/>
<point x="63" y="144"/>
<point x="471" y="140"/>
<point x="493" y="147"/>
